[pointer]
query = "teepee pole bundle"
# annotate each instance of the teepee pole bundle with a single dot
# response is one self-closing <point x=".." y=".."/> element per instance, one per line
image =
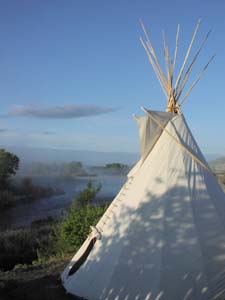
<point x="188" y="72"/>
<point x="187" y="56"/>
<point x="154" y="60"/>
<point x="173" y="92"/>
<point x="152" y="51"/>
<point x="176" y="50"/>
<point x="158" y="75"/>
<point x="167" y="62"/>
<point x="196" y="81"/>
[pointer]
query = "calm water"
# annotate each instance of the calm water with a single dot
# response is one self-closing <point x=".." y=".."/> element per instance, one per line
<point x="25" y="213"/>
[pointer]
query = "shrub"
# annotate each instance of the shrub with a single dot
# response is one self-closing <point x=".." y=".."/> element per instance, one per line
<point x="73" y="230"/>
<point x="19" y="246"/>
<point x="46" y="239"/>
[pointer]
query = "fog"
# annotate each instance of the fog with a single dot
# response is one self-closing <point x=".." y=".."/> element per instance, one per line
<point x="28" y="155"/>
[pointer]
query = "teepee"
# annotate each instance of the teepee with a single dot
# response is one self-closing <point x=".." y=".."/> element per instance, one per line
<point x="163" y="236"/>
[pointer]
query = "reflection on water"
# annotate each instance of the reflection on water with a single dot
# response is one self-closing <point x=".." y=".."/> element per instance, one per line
<point x="24" y="213"/>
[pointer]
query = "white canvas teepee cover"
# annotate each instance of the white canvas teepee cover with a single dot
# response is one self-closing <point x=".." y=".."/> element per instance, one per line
<point x="163" y="236"/>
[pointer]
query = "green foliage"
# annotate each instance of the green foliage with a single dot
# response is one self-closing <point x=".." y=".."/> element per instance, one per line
<point x="73" y="230"/>
<point x="9" y="164"/>
<point x="115" y="166"/>
<point x="47" y="239"/>
<point x="86" y="196"/>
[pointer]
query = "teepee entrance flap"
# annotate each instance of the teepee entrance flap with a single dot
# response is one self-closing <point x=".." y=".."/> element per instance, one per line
<point x="149" y="131"/>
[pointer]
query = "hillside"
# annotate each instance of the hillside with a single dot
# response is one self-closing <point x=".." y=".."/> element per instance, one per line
<point x="218" y="165"/>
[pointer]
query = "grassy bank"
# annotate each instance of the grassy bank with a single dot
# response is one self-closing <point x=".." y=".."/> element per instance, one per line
<point x="20" y="246"/>
<point x="35" y="257"/>
<point x="47" y="239"/>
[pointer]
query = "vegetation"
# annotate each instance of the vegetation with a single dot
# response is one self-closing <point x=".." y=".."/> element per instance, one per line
<point x="115" y="166"/>
<point x="25" y="191"/>
<point x="20" y="246"/>
<point x="72" y="231"/>
<point x="29" y="191"/>
<point x="63" y="170"/>
<point x="48" y="239"/>
<point x="111" y="169"/>
<point x="74" y="169"/>
<point x="9" y="164"/>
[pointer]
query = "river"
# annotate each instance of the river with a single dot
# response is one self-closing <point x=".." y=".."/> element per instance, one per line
<point x="23" y="214"/>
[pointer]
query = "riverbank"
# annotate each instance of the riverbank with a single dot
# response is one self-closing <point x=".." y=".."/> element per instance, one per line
<point x="24" y="191"/>
<point x="20" y="246"/>
<point x="24" y="213"/>
<point x="40" y="277"/>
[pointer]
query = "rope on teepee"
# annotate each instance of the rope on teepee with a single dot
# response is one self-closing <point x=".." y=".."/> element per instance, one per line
<point x="95" y="233"/>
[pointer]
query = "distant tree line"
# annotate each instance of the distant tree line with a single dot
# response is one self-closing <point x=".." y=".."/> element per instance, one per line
<point x="116" y="166"/>
<point x="111" y="169"/>
<point x="74" y="168"/>
<point x="69" y="169"/>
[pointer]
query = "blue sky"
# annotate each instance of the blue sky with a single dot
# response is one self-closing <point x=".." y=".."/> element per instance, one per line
<point x="73" y="72"/>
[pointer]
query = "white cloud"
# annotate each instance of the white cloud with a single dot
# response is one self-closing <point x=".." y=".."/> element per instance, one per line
<point x="60" y="112"/>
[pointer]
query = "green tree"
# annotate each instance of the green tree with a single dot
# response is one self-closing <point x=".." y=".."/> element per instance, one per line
<point x="116" y="166"/>
<point x="72" y="231"/>
<point x="9" y="164"/>
<point x="73" y="168"/>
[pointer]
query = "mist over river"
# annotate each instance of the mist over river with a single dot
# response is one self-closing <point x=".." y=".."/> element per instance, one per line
<point x="23" y="214"/>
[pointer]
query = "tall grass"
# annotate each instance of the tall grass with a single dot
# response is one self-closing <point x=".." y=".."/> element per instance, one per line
<point x="20" y="246"/>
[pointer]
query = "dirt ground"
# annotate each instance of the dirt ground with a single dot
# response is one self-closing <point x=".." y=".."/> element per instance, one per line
<point x="34" y="283"/>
